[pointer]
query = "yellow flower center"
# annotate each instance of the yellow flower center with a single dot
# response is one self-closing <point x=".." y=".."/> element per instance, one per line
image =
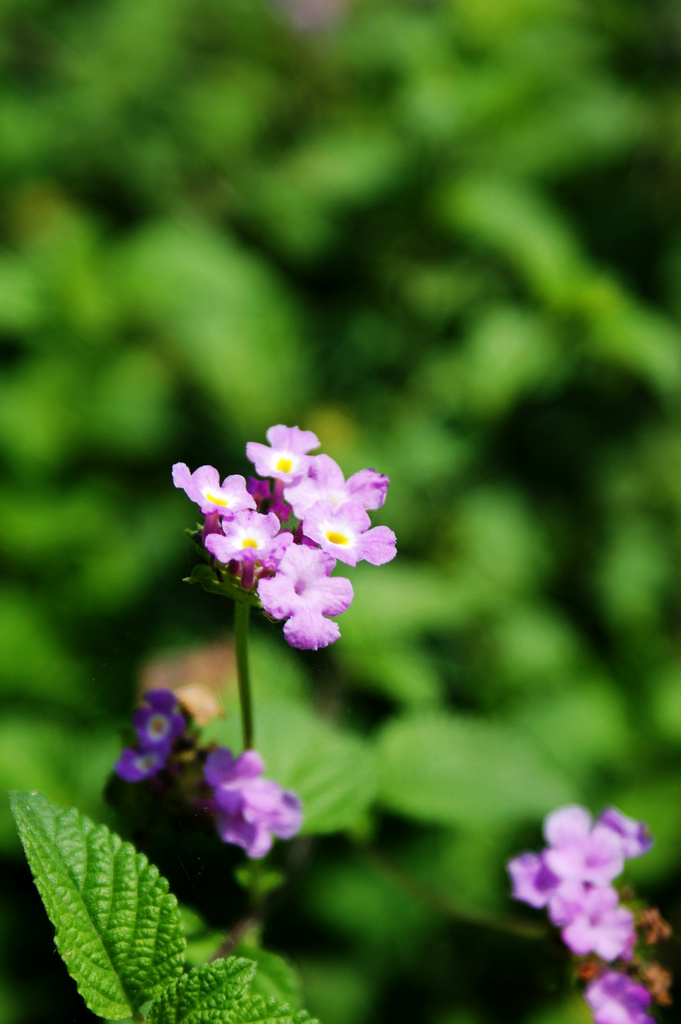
<point x="284" y="465"/>
<point x="248" y="542"/>
<point x="336" y="538"/>
<point x="158" y="725"/>
<point x="216" y="501"/>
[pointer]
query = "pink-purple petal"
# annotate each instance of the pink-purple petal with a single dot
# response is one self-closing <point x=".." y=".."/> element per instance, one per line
<point x="532" y="881"/>
<point x="618" y="999"/>
<point x="308" y="631"/>
<point x="293" y="439"/>
<point x="633" y="836"/>
<point x="566" y="825"/>
<point x="601" y="926"/>
<point x="378" y="545"/>
<point x="368" y="487"/>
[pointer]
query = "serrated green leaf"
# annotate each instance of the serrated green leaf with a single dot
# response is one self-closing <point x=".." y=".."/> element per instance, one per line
<point x="276" y="977"/>
<point x="117" y="927"/>
<point x="267" y="1011"/>
<point x="207" y="994"/>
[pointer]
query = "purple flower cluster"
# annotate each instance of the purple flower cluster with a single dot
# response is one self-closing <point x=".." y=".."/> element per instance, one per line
<point x="157" y="724"/>
<point x="572" y="877"/>
<point x="249" y="810"/>
<point x="250" y="529"/>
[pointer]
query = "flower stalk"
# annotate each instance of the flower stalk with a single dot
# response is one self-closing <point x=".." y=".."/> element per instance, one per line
<point x="241" y="618"/>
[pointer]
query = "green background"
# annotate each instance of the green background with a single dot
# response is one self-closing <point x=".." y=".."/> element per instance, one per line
<point x="446" y="237"/>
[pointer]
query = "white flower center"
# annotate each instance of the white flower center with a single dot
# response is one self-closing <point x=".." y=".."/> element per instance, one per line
<point x="158" y="725"/>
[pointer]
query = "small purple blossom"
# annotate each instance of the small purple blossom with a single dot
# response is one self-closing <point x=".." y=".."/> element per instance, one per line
<point x="224" y="771"/>
<point x="633" y="836"/>
<point x="579" y="851"/>
<point x="159" y="723"/>
<point x="344" y="533"/>
<point x="533" y="882"/>
<point x="203" y="486"/>
<point x="286" y="459"/>
<point x="617" y="999"/>
<point x="249" y="537"/>
<point x="134" y="765"/>
<point x="326" y="482"/>
<point x="303" y="593"/>
<point x="250" y="809"/>
<point x="592" y="920"/>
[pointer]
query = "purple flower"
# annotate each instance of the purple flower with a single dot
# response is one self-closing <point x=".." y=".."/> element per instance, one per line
<point x="633" y="836"/>
<point x="579" y="851"/>
<point x="617" y="999"/>
<point x="326" y="482"/>
<point x="224" y="771"/>
<point x="203" y="486"/>
<point x="344" y="533"/>
<point x="159" y="723"/>
<point x="286" y="459"/>
<point x="135" y="765"/>
<point x="533" y="883"/>
<point x="250" y="537"/>
<point x="250" y="810"/>
<point x="303" y="593"/>
<point x="592" y="920"/>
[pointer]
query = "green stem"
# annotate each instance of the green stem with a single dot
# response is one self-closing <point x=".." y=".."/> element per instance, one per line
<point x="241" y="612"/>
<point x="444" y="905"/>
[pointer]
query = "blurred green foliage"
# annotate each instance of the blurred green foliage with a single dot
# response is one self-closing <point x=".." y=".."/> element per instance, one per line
<point x="446" y="236"/>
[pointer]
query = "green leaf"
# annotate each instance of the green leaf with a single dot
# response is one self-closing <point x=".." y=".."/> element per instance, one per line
<point x="216" y="992"/>
<point x="207" y="993"/>
<point x="267" y="1011"/>
<point x="208" y="578"/>
<point x="465" y="771"/>
<point x="522" y="224"/>
<point x="222" y="310"/>
<point x="117" y="927"/>
<point x="276" y="978"/>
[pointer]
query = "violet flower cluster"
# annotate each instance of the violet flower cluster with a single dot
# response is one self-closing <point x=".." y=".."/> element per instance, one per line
<point x="572" y="877"/>
<point x="283" y="539"/>
<point x="248" y="809"/>
<point x="158" y="724"/>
